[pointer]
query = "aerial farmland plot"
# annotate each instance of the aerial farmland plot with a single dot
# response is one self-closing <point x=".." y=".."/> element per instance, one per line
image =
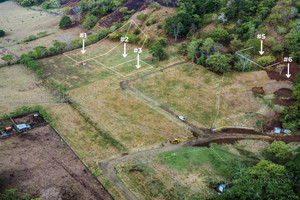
<point x="142" y="100"/>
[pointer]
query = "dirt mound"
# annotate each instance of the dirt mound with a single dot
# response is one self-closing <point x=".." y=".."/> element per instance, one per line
<point x="117" y="16"/>
<point x="283" y="97"/>
<point x="285" y="102"/>
<point x="284" y="92"/>
<point x="271" y="124"/>
<point x="294" y="70"/>
<point x="258" y="90"/>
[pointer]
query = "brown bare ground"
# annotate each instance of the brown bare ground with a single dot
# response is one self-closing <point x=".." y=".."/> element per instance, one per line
<point x="40" y="164"/>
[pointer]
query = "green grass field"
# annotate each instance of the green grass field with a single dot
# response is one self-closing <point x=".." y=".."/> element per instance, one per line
<point x="186" y="173"/>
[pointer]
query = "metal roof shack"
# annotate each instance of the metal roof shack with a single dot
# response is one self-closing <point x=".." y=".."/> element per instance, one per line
<point x="22" y="127"/>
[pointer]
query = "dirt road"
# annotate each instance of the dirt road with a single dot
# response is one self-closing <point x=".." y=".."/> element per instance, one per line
<point x="109" y="166"/>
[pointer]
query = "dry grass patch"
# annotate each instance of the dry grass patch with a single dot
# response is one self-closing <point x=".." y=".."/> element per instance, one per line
<point x="19" y="22"/>
<point x="188" y="90"/>
<point x="239" y="106"/>
<point x="127" y="119"/>
<point x="20" y="87"/>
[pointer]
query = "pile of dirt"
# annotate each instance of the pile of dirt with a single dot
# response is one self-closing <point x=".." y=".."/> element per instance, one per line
<point x="117" y="16"/>
<point x="294" y="70"/>
<point x="284" y="97"/>
<point x="284" y="92"/>
<point x="285" y="102"/>
<point x="271" y="124"/>
<point x="258" y="90"/>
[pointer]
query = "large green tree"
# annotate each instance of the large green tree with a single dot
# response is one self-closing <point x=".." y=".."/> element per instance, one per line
<point x="279" y="152"/>
<point x="158" y="52"/>
<point x="219" y="62"/>
<point x="266" y="180"/>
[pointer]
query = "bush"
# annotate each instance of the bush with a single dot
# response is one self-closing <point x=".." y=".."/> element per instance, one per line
<point x="162" y="41"/>
<point x="158" y="52"/>
<point x="8" y="58"/>
<point x="219" y="35"/>
<point x="290" y="118"/>
<point x="133" y="38"/>
<point x="46" y="5"/>
<point x="182" y="50"/>
<point x="142" y="16"/>
<point x="2" y="33"/>
<point x="115" y="36"/>
<point x="136" y="31"/>
<point x="159" y="26"/>
<point x="156" y="6"/>
<point x="90" y="21"/>
<point x="102" y="33"/>
<point x="279" y="152"/>
<point x="219" y="62"/>
<point x="30" y="38"/>
<point x="65" y="22"/>
<point x="148" y="23"/>
<point x="265" y="60"/>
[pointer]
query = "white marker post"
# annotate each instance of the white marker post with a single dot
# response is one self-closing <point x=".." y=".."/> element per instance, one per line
<point x="83" y="50"/>
<point x="288" y="75"/>
<point x="124" y="54"/>
<point x="261" y="48"/>
<point x="138" y="61"/>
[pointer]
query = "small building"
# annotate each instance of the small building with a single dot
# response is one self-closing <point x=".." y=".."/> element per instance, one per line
<point x="23" y="127"/>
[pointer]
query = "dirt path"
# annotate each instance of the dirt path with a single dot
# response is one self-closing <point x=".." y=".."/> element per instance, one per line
<point x="109" y="166"/>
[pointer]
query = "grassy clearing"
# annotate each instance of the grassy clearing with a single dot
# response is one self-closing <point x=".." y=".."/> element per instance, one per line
<point x="128" y="120"/>
<point x="62" y="70"/>
<point x="19" y="22"/>
<point x="20" y="87"/>
<point x="186" y="173"/>
<point x="188" y="90"/>
<point x="238" y="105"/>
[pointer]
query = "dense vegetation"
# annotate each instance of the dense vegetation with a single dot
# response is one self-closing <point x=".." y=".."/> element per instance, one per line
<point x="237" y="24"/>
<point x="276" y="179"/>
<point x="97" y="9"/>
<point x="2" y="33"/>
<point x="290" y="116"/>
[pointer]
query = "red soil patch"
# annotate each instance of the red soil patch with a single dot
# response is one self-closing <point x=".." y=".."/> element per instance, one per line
<point x="284" y="92"/>
<point x="258" y="90"/>
<point x="285" y="102"/>
<point x="294" y="70"/>
<point x="117" y="16"/>
<point x="240" y="131"/>
<point x="283" y="97"/>
<point x="271" y="124"/>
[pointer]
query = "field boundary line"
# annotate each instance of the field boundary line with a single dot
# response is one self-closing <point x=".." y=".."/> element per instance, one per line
<point x="238" y="53"/>
<point x="142" y="32"/>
